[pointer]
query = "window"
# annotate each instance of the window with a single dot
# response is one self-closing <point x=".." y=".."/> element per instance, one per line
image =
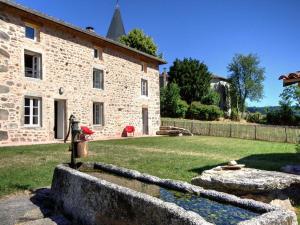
<point x="98" y="80"/>
<point x="96" y="53"/>
<point x="98" y="114"/>
<point x="32" y="112"/>
<point x="30" y="32"/>
<point x="33" y="64"/>
<point x="144" y="87"/>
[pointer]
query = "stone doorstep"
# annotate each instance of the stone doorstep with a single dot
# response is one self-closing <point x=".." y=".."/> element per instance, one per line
<point x="30" y="208"/>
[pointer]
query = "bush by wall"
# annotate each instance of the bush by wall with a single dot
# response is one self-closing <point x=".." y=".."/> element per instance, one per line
<point x="254" y="117"/>
<point x="203" y="112"/>
<point x="235" y="115"/>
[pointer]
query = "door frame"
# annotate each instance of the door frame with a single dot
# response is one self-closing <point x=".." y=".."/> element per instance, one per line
<point x="145" y="121"/>
<point x="60" y="104"/>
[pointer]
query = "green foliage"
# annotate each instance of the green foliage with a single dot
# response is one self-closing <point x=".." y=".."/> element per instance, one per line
<point x="211" y="98"/>
<point x="235" y="115"/>
<point x="290" y="95"/>
<point x="192" y="77"/>
<point x="139" y="40"/>
<point x="204" y="112"/>
<point x="182" y="108"/>
<point x="285" y="115"/>
<point x="170" y="102"/>
<point x="246" y="80"/>
<point x="254" y="117"/>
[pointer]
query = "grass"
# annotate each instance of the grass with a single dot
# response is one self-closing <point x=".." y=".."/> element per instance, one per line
<point x="28" y="167"/>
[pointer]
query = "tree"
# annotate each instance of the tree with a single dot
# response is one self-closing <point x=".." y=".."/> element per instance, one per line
<point x="139" y="40"/>
<point x="170" y="103"/>
<point x="192" y="77"/>
<point x="246" y="79"/>
<point x="290" y="95"/>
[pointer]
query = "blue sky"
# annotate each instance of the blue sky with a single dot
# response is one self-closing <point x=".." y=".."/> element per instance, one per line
<point x="209" y="30"/>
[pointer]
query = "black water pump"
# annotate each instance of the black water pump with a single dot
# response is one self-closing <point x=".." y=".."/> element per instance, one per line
<point x="75" y="133"/>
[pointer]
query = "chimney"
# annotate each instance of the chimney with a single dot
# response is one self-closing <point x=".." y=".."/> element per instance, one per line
<point x="90" y="29"/>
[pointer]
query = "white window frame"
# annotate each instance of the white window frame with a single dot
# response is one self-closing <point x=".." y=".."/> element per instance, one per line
<point x="98" y="112"/>
<point x="101" y="79"/>
<point x="36" y="64"/>
<point x="144" y="87"/>
<point x="31" y="107"/>
<point x="34" y="29"/>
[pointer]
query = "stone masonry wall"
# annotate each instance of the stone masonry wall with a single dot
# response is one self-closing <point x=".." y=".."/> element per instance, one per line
<point x="68" y="62"/>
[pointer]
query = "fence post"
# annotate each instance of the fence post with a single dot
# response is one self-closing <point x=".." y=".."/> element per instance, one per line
<point x="209" y="127"/>
<point x="174" y="123"/>
<point x="286" y="137"/>
<point x="255" y="127"/>
<point x="230" y="130"/>
<point x="192" y="126"/>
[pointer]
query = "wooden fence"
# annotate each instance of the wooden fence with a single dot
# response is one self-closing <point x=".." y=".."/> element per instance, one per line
<point x="235" y="130"/>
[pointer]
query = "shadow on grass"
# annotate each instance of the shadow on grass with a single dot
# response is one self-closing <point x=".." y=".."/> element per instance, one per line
<point x="272" y="161"/>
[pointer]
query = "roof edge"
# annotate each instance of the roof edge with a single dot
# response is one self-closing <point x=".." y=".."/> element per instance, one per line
<point x="79" y="29"/>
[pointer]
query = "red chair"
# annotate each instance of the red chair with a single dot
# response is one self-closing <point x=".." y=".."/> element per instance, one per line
<point x="87" y="132"/>
<point x="129" y="129"/>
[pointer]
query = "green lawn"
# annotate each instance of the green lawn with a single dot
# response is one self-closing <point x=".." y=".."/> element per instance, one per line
<point x="179" y="158"/>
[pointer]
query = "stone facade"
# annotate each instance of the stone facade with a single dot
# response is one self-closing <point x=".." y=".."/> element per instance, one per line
<point x="68" y="62"/>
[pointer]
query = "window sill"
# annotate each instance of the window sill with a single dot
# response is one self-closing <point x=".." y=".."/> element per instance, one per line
<point x="33" y="79"/>
<point x="31" y="127"/>
<point x="98" y="89"/>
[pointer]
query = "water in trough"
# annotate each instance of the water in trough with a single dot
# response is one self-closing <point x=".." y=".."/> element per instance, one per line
<point x="212" y="211"/>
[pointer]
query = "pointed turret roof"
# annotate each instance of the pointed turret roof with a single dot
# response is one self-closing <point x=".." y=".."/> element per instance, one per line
<point x="116" y="28"/>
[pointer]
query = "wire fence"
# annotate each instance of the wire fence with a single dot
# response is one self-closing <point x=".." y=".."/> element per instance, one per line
<point x="286" y="134"/>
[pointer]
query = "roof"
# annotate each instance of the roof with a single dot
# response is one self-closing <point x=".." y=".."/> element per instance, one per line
<point x="78" y="29"/>
<point x="219" y="78"/>
<point x="290" y="78"/>
<point x="116" y="28"/>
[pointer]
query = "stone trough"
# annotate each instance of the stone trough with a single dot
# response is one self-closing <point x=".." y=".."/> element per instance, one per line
<point x="93" y="195"/>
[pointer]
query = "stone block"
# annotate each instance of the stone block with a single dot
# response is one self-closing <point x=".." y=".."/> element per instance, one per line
<point x="4" y="89"/>
<point x="3" y="68"/>
<point x="3" y="135"/>
<point x="4" y="36"/>
<point x="4" y="53"/>
<point x="3" y="114"/>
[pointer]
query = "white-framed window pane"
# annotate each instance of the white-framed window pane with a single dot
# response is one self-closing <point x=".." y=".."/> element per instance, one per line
<point x="33" y="64"/>
<point x="144" y="87"/>
<point x="30" y="32"/>
<point x="98" y="79"/>
<point x="27" y="111"/>
<point x="35" y="120"/>
<point x="26" y="120"/>
<point x="98" y="114"/>
<point x="32" y="111"/>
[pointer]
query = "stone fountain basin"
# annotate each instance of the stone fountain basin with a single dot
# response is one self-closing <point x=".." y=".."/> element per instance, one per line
<point x="90" y="200"/>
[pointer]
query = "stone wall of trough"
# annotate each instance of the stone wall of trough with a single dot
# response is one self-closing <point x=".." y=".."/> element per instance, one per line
<point x="91" y="201"/>
<point x="68" y="62"/>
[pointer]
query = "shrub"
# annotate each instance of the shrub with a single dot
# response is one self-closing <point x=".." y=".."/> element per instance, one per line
<point x="235" y="115"/>
<point x="182" y="108"/>
<point x="254" y="117"/>
<point x="204" y="112"/>
<point x="211" y="98"/>
<point x="170" y="103"/>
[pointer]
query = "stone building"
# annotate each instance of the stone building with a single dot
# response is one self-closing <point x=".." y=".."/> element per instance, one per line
<point x="50" y="69"/>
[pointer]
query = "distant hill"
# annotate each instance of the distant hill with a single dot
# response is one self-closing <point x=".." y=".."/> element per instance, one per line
<point x="265" y="109"/>
<point x="262" y="110"/>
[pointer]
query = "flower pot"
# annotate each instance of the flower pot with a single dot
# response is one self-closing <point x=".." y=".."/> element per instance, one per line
<point x="82" y="149"/>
